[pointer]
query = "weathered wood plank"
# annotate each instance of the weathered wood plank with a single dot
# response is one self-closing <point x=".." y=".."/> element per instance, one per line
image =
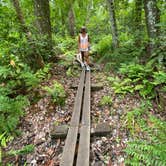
<point x="69" y="149"/>
<point x="71" y="140"/>
<point x="59" y="131"/>
<point x="78" y="102"/>
<point x="84" y="142"/>
<point x="84" y="147"/>
<point x="101" y="129"/>
<point x="86" y="103"/>
<point x="94" y="87"/>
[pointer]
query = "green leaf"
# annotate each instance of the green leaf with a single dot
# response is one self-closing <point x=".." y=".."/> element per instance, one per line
<point x="3" y="142"/>
<point x="138" y="87"/>
<point x="2" y="135"/>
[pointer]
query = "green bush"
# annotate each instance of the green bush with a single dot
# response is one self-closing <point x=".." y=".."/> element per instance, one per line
<point x="121" y="86"/>
<point x="10" y="112"/>
<point x="65" y="44"/>
<point x="16" y="75"/>
<point x="141" y="78"/>
<point x="4" y="139"/>
<point x="104" y="46"/>
<point x="159" y="54"/>
<point x="26" y="51"/>
<point x="113" y="58"/>
<point x="147" y="144"/>
<point x="159" y="77"/>
<point x="106" y="100"/>
<point x="152" y="149"/>
<point x="43" y="73"/>
<point x="25" y="150"/>
<point x="133" y="121"/>
<point x="16" y="78"/>
<point x="57" y="93"/>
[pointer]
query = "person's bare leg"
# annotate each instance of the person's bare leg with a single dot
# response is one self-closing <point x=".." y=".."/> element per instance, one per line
<point x="82" y="59"/>
<point x="83" y="56"/>
<point x="87" y="61"/>
<point x="86" y="54"/>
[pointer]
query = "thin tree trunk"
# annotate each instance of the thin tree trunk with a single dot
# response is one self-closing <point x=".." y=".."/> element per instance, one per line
<point x="152" y="17"/>
<point x="113" y="24"/>
<point x="71" y="21"/>
<point x="36" y="58"/>
<point x="42" y="12"/>
<point x="137" y="21"/>
<point x="21" y="18"/>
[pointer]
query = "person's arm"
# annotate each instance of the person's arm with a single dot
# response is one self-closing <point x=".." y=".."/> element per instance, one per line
<point x="88" y="42"/>
<point x="79" y="43"/>
<point x="88" y="39"/>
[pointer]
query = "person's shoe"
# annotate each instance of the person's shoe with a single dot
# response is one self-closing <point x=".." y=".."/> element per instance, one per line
<point x="87" y="68"/>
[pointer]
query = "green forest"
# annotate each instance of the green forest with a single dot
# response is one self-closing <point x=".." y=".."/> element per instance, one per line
<point x="39" y="68"/>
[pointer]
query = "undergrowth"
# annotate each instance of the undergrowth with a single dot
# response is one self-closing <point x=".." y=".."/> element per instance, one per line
<point x="4" y="139"/>
<point x="57" y="93"/>
<point x="10" y="112"/>
<point x="148" y="144"/>
<point x="106" y="100"/>
<point x="16" y="81"/>
<point x="138" y="78"/>
<point x="112" y="58"/>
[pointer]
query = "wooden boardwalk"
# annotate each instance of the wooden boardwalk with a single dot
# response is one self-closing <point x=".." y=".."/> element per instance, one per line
<point x="80" y="123"/>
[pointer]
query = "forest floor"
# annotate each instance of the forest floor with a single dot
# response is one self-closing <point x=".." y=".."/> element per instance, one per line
<point x="37" y="123"/>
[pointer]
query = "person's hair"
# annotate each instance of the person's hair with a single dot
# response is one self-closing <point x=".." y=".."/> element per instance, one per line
<point x="83" y="29"/>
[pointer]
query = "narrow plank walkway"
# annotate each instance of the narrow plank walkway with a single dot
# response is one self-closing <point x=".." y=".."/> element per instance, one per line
<point x="71" y="140"/>
<point x="80" y="123"/>
<point x="84" y="142"/>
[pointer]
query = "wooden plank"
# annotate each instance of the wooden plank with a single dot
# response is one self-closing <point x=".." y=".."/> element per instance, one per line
<point x="71" y="140"/>
<point x="101" y="129"/>
<point x="59" y="131"/>
<point x="86" y="103"/>
<point x="69" y="149"/>
<point x="78" y="102"/>
<point x="84" y="142"/>
<point x="94" y="87"/>
<point x="84" y="147"/>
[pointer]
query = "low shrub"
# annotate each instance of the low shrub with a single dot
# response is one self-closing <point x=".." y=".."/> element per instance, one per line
<point x="106" y="100"/>
<point x="10" y="112"/>
<point x="57" y="93"/>
<point x="151" y="149"/>
<point x="136" y="77"/>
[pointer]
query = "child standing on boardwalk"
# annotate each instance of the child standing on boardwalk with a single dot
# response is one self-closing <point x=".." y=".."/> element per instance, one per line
<point x="83" y="47"/>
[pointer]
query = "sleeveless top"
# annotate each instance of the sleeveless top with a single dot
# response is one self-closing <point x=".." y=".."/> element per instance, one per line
<point x="84" y="43"/>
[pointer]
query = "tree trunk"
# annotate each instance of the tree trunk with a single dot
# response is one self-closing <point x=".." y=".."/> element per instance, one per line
<point x="137" y="21"/>
<point x="152" y="17"/>
<point x="21" y="18"/>
<point x="36" y="58"/>
<point x="71" y="21"/>
<point x="114" y="30"/>
<point x="42" y="12"/>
